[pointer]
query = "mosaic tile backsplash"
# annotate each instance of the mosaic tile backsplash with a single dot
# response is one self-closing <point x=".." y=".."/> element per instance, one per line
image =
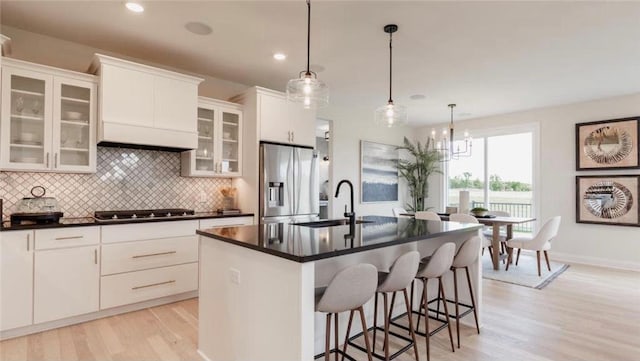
<point x="125" y="179"/>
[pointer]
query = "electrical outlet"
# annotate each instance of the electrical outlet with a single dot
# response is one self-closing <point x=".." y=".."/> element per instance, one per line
<point x="234" y="275"/>
<point x="203" y="197"/>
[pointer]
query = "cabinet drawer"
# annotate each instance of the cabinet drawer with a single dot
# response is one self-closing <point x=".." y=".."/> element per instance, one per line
<point x="153" y="230"/>
<point x="225" y="222"/>
<point x="132" y="287"/>
<point x="135" y="256"/>
<point x="66" y="237"/>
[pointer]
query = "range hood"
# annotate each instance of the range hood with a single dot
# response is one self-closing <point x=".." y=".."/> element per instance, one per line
<point x="145" y="107"/>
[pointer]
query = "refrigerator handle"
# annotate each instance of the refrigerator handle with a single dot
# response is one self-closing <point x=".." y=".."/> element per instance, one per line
<point x="298" y="178"/>
<point x="290" y="177"/>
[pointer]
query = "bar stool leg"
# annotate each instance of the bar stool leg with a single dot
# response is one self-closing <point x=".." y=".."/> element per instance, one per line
<point x="446" y="312"/>
<point x="473" y="299"/>
<point x="518" y="256"/>
<point x="346" y="339"/>
<point x="426" y="315"/>
<point x="455" y="291"/>
<point x="337" y="345"/>
<point x="413" y="334"/>
<point x="386" y="327"/>
<point x="366" y="334"/>
<point x="375" y="320"/>
<point x="327" y="340"/>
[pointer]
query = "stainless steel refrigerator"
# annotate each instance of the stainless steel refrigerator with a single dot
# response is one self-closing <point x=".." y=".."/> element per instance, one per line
<point x="289" y="190"/>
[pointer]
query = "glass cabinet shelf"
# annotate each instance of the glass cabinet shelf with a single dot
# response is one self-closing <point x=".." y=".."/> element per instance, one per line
<point x="74" y="100"/>
<point x="26" y="117"/>
<point x="80" y="123"/>
<point x="26" y="92"/>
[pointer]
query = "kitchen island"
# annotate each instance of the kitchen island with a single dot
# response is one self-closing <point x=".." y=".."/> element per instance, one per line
<point x="257" y="282"/>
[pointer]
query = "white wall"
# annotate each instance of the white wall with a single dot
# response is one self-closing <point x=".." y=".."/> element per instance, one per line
<point x="350" y="125"/>
<point x="615" y="246"/>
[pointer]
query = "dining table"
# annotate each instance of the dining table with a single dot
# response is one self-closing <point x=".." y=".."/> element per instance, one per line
<point x="495" y="222"/>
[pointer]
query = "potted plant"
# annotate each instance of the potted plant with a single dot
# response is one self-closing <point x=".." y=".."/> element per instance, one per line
<point x="479" y="211"/>
<point x="416" y="170"/>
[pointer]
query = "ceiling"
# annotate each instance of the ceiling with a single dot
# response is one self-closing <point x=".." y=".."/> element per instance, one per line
<point x="489" y="57"/>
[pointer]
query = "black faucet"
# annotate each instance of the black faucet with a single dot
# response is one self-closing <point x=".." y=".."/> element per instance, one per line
<point x="351" y="215"/>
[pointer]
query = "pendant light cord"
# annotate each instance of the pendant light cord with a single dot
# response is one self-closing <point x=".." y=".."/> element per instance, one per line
<point x="308" y="36"/>
<point x="390" y="66"/>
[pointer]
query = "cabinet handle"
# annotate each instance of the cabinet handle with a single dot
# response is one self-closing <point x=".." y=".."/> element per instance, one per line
<point x="70" y="237"/>
<point x="55" y="160"/>
<point x="153" y="254"/>
<point x="289" y="135"/>
<point x="95" y="256"/>
<point x="153" y="284"/>
<point x="47" y="159"/>
<point x="28" y="241"/>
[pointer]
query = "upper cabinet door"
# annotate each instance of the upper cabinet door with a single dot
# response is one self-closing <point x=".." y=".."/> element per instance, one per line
<point x="303" y="125"/>
<point x="274" y="118"/>
<point x="26" y="119"/>
<point x="231" y="152"/>
<point x="175" y="104"/>
<point x="127" y="96"/>
<point x="74" y="142"/>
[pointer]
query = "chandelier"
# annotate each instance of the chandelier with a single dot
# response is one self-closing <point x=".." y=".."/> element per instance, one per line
<point x="449" y="148"/>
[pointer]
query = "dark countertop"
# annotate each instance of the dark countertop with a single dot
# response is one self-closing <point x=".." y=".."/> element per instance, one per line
<point x="90" y="221"/>
<point x="305" y="244"/>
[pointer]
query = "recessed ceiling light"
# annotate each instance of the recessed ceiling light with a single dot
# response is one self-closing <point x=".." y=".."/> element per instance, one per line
<point x="417" y="97"/>
<point x="135" y="7"/>
<point x="198" y="28"/>
<point x="279" y="56"/>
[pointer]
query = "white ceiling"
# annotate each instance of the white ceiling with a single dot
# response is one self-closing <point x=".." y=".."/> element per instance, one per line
<point x="489" y="57"/>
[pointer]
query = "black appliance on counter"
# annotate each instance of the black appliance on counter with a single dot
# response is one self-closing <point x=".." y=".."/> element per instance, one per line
<point x="141" y="214"/>
<point x="37" y="209"/>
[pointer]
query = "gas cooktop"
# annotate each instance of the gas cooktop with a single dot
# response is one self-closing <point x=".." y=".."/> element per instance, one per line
<point x="141" y="215"/>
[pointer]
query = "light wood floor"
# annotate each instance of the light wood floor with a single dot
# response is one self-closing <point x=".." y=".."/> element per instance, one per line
<point x="587" y="313"/>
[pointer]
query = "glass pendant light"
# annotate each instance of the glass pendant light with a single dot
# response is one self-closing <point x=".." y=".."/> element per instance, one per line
<point x="307" y="89"/>
<point x="391" y="114"/>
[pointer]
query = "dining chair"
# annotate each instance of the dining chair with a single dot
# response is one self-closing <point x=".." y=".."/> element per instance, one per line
<point x="540" y="243"/>
<point x="428" y="216"/>
<point x="467" y="218"/>
<point x="398" y="211"/>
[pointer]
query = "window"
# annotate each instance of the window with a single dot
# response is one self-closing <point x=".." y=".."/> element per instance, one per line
<point x="499" y="175"/>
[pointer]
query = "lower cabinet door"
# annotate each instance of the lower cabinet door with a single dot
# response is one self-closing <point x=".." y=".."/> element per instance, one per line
<point x="16" y="279"/>
<point x="66" y="282"/>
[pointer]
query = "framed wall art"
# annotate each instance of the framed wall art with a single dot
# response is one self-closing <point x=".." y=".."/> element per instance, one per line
<point x="378" y="172"/>
<point x="608" y="144"/>
<point x="609" y="199"/>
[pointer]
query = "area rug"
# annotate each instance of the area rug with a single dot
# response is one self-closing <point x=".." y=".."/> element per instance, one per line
<point x="525" y="273"/>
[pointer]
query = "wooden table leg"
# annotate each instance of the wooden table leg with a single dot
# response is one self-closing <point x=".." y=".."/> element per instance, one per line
<point x="495" y="244"/>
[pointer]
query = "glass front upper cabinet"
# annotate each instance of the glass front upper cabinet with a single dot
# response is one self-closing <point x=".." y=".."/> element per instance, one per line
<point x="205" y="160"/>
<point x="230" y="141"/>
<point x="48" y="120"/>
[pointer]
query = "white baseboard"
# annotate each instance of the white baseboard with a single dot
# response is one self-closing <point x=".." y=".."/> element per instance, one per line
<point x="594" y="261"/>
<point x="26" y="330"/>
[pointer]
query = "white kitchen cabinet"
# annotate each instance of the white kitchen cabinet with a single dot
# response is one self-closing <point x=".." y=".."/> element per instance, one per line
<point x="219" y="152"/>
<point x="16" y="279"/>
<point x="144" y="105"/>
<point x="225" y="222"/>
<point x="66" y="282"/>
<point x="48" y="119"/>
<point x="285" y="122"/>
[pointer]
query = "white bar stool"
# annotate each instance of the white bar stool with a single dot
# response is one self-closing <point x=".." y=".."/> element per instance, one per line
<point x="466" y="256"/>
<point x="431" y="267"/>
<point x="349" y="290"/>
<point x="397" y="279"/>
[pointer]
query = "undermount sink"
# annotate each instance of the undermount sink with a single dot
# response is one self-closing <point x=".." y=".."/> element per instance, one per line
<point x="329" y="223"/>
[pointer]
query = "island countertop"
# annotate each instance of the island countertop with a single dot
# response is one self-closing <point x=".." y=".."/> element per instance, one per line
<point x="306" y="244"/>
